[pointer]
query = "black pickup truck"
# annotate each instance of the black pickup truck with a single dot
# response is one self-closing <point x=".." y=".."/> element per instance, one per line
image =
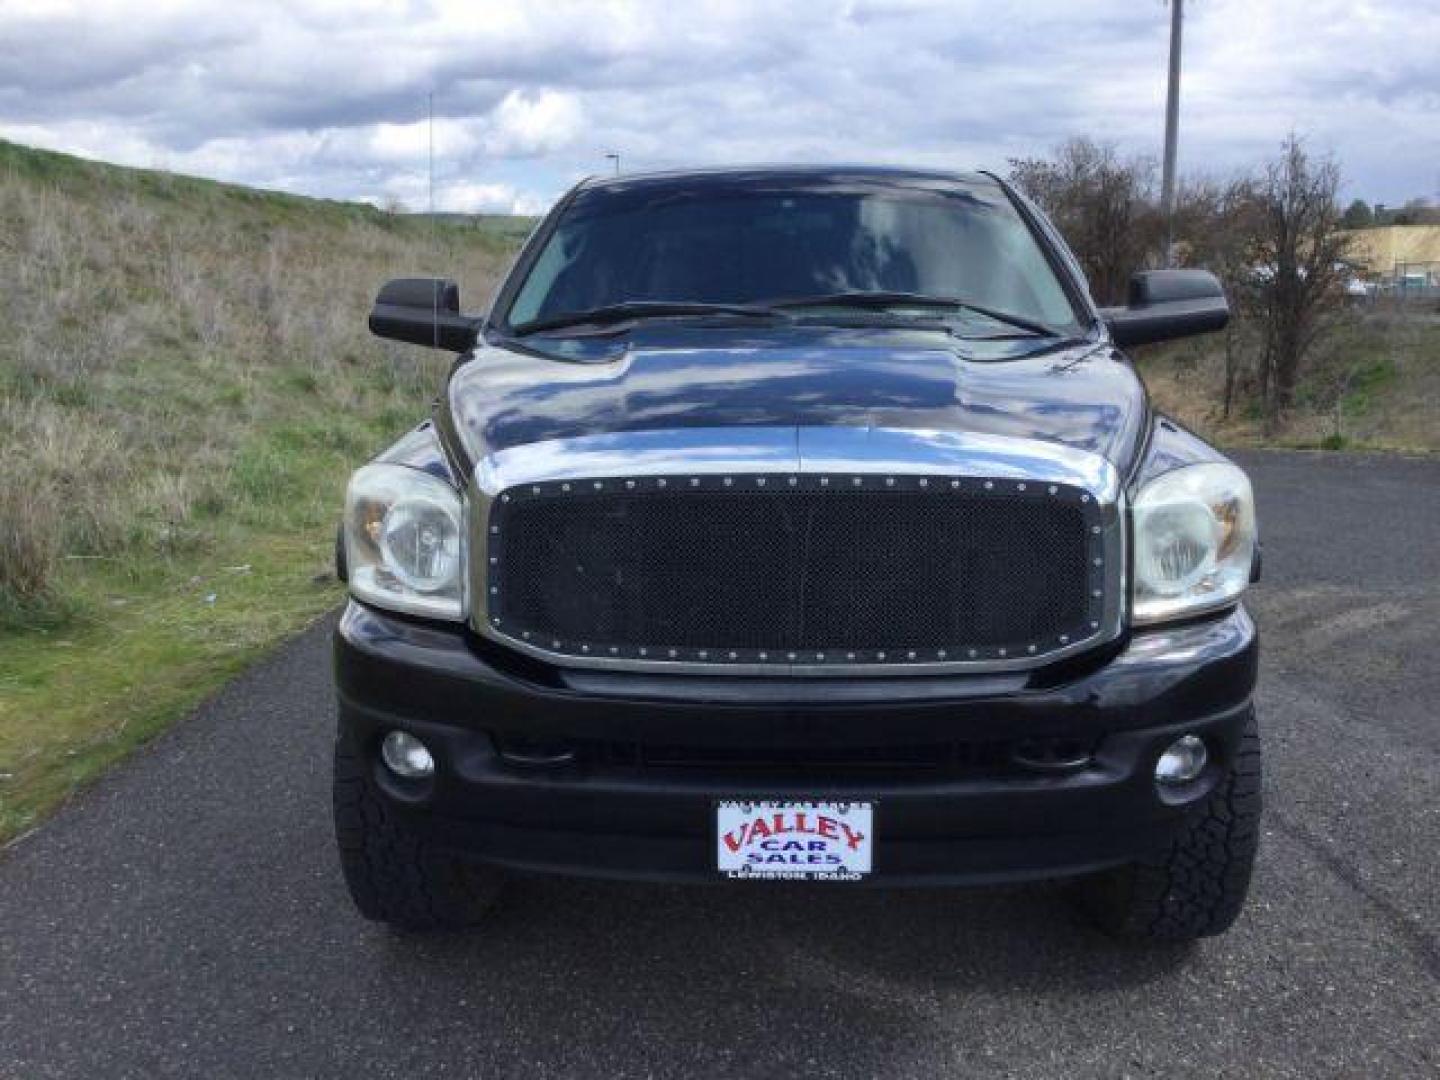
<point x="799" y="524"/>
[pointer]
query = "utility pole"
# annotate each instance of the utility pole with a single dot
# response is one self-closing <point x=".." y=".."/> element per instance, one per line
<point x="1172" y="133"/>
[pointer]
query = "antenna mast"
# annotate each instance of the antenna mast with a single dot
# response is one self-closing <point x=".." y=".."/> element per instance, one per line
<point x="434" y="221"/>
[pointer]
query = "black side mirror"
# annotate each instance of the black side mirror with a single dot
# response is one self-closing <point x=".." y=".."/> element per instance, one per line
<point x="423" y="311"/>
<point x="1166" y="304"/>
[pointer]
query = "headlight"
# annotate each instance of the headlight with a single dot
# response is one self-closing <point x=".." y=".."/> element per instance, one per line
<point x="404" y="541"/>
<point x="1194" y="541"/>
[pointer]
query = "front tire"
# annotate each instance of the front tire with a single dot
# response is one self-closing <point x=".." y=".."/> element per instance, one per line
<point x="1197" y="886"/>
<point x="393" y="875"/>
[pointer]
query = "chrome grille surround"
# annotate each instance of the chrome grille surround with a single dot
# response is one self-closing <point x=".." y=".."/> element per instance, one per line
<point x="816" y="454"/>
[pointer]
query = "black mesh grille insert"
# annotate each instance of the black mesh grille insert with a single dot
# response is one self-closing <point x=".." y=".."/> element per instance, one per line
<point x="782" y="570"/>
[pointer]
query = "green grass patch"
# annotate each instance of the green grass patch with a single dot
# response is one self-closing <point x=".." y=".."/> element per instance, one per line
<point x="186" y="380"/>
<point x="142" y="643"/>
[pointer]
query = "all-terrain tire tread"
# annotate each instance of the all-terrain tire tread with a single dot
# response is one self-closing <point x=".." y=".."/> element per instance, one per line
<point x="1197" y="886"/>
<point x="393" y="875"/>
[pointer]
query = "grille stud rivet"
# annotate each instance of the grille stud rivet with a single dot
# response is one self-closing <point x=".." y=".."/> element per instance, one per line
<point x="989" y="485"/>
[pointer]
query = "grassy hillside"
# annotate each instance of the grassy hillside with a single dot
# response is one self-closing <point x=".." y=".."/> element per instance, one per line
<point x="1372" y="384"/>
<point x="185" y="381"/>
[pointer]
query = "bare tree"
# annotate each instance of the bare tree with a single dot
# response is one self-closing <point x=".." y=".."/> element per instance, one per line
<point x="1216" y="224"/>
<point x="1298" y="256"/>
<point x="1103" y="205"/>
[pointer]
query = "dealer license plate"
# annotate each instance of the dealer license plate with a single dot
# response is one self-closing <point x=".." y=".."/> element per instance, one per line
<point x="794" y="840"/>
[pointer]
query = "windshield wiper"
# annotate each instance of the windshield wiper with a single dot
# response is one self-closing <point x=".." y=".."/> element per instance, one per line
<point x="909" y="299"/>
<point x="640" y="309"/>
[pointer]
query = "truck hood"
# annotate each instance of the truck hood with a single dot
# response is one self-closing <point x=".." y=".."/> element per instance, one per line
<point x="661" y="376"/>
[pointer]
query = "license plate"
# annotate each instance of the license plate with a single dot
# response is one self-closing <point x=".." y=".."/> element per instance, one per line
<point x="792" y="841"/>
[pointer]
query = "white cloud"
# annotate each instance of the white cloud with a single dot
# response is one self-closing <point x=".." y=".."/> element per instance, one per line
<point x="526" y="126"/>
<point x="408" y="143"/>
<point x="329" y="96"/>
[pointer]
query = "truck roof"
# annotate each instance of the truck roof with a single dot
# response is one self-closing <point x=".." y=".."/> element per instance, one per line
<point x="736" y="176"/>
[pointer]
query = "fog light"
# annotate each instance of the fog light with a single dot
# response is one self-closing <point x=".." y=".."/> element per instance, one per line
<point x="406" y="756"/>
<point x="1182" y="761"/>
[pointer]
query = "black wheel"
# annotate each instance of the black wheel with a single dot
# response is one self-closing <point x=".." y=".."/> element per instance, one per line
<point x="394" y="876"/>
<point x="1197" y="887"/>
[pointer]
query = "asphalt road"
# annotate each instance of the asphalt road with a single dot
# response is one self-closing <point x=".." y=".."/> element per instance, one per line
<point x="186" y="917"/>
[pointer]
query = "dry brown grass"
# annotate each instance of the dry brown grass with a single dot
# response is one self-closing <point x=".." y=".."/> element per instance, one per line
<point x="1374" y="384"/>
<point x="153" y="330"/>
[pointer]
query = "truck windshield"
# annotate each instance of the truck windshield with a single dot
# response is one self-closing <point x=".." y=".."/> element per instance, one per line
<point x="741" y="247"/>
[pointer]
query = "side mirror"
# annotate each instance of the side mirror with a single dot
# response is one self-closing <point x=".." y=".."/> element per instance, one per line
<point x="1166" y="304"/>
<point x="423" y="311"/>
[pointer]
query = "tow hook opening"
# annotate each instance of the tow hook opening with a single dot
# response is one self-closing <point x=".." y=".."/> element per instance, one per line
<point x="529" y="752"/>
<point x="1053" y="754"/>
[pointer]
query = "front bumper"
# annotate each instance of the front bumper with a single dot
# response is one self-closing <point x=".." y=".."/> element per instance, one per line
<point x="654" y="820"/>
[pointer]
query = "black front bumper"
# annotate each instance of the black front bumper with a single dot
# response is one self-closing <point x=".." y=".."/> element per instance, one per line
<point x="637" y="817"/>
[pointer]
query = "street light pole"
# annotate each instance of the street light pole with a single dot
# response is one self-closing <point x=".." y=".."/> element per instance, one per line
<point x="1172" y="133"/>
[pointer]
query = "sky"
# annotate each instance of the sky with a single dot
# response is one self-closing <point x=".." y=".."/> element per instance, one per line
<point x="323" y="97"/>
